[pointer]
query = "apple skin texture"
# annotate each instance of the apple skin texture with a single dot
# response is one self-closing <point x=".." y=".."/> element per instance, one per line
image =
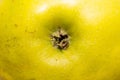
<point x="26" y="52"/>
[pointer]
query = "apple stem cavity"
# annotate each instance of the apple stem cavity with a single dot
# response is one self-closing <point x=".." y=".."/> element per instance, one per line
<point x="60" y="39"/>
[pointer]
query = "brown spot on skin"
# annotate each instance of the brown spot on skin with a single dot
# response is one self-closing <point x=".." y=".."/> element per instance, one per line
<point x="25" y="30"/>
<point x="15" y="25"/>
<point x="56" y="59"/>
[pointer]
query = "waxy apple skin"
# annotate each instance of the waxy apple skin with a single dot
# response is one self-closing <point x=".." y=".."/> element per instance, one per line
<point x="26" y="52"/>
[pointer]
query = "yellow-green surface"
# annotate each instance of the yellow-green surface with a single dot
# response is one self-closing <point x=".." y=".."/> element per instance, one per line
<point x="26" y="52"/>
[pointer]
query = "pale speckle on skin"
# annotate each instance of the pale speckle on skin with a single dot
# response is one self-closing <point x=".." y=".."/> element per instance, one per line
<point x="54" y="62"/>
<point x="70" y="2"/>
<point x="0" y="2"/>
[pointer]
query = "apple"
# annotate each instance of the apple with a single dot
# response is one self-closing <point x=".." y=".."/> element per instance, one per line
<point x="59" y="39"/>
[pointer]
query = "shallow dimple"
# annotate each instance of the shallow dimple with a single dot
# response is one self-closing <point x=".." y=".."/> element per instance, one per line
<point x="2" y="14"/>
<point x="13" y="0"/>
<point x="2" y="78"/>
<point x="32" y="79"/>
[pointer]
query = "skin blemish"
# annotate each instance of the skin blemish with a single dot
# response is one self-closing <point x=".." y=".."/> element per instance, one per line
<point x="15" y="25"/>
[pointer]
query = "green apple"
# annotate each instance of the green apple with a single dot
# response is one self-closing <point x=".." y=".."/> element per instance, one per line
<point x="33" y="45"/>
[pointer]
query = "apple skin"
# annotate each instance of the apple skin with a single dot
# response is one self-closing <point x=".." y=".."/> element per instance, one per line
<point x="26" y="52"/>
